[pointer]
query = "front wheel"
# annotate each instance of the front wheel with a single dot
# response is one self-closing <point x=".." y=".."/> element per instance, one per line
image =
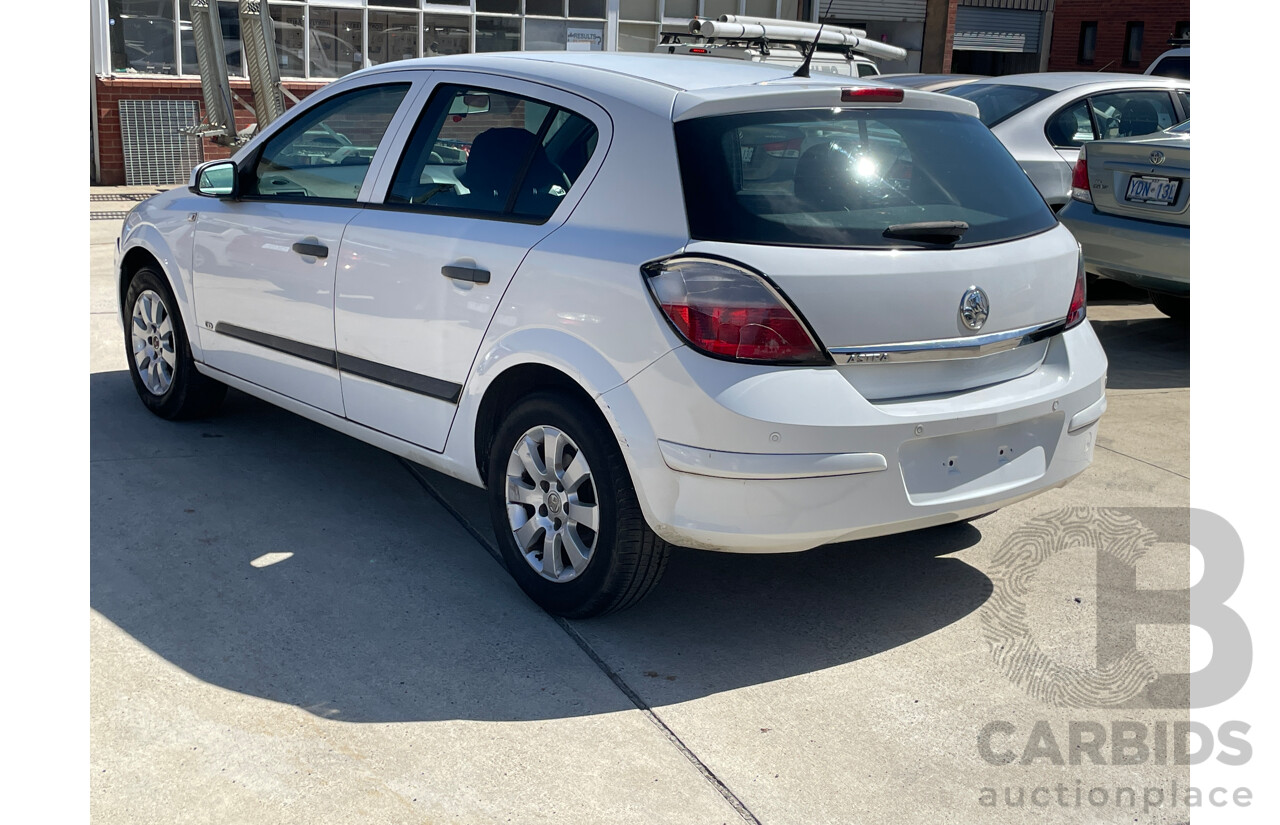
<point x="160" y="362"/>
<point x="565" y="511"/>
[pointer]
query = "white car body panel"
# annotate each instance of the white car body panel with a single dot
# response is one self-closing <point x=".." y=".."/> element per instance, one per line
<point x="723" y="455"/>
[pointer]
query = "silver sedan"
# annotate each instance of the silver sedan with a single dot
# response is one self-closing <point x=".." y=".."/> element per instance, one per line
<point x="1131" y="211"/>
<point x="1043" y="119"/>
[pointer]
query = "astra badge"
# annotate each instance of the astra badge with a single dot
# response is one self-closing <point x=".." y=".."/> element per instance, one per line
<point x="1157" y="158"/>
<point x="974" y="308"/>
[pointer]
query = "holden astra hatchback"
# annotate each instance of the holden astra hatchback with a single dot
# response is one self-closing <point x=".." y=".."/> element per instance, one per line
<point x="642" y="300"/>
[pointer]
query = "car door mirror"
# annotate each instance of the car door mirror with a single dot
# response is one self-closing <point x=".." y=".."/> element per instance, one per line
<point x="216" y="180"/>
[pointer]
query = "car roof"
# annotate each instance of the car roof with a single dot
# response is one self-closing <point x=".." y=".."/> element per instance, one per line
<point x="649" y="81"/>
<point x="676" y="72"/>
<point x="1062" y="81"/>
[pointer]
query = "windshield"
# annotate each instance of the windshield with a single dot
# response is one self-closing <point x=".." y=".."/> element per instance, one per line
<point x="843" y="177"/>
<point x="998" y="101"/>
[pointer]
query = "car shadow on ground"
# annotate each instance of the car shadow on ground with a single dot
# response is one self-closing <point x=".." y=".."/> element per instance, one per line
<point x="268" y="555"/>
<point x="1142" y="353"/>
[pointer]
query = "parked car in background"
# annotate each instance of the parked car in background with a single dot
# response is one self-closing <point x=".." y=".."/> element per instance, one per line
<point x="1173" y="63"/>
<point x="606" y="315"/>
<point x="1045" y="118"/>
<point x="1131" y="211"/>
<point x="929" y="82"/>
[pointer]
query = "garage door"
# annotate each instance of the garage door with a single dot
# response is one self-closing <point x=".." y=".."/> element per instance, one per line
<point x="997" y="30"/>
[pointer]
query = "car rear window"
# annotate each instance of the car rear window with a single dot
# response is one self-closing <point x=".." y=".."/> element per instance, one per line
<point x="1178" y="66"/>
<point x="842" y="177"/>
<point x="998" y="101"/>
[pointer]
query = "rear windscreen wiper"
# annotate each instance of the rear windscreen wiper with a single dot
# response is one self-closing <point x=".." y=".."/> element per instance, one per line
<point x="939" y="232"/>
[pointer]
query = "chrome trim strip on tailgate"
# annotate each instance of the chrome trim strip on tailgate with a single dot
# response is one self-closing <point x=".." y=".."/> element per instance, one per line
<point x="946" y="349"/>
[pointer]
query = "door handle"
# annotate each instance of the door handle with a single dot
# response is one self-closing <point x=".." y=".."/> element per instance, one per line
<point x="314" y="250"/>
<point x="466" y="273"/>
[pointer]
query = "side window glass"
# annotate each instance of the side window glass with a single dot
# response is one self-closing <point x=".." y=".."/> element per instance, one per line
<point x="493" y="154"/>
<point x="1184" y="97"/>
<point x="1071" y="127"/>
<point x="1127" y="114"/>
<point x="325" y="153"/>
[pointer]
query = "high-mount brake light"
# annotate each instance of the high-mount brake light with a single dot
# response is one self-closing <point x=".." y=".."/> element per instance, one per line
<point x="697" y="51"/>
<point x="871" y="94"/>
<point x="730" y="312"/>
<point x="1076" y="312"/>
<point x="1080" y="181"/>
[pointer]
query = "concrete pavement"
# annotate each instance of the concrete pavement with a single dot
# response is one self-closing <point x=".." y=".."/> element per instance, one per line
<point x="290" y="626"/>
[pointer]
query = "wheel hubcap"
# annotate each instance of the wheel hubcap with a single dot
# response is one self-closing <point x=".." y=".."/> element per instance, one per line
<point x="154" y="357"/>
<point x="552" y="507"/>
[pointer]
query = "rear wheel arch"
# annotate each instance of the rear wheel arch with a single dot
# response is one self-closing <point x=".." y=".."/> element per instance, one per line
<point x="515" y="383"/>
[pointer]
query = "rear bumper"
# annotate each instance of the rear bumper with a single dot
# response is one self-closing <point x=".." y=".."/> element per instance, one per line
<point x="827" y="466"/>
<point x="1144" y="254"/>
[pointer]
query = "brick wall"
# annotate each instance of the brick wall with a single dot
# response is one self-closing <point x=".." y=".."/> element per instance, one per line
<point x="1158" y="16"/>
<point x="111" y="90"/>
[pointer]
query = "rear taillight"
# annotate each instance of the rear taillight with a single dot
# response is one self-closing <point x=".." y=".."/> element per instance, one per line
<point x="871" y="94"/>
<point x="1080" y="181"/>
<point x="1076" y="312"/>
<point x="730" y="312"/>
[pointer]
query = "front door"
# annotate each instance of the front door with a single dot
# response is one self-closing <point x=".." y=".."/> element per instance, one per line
<point x="263" y="264"/>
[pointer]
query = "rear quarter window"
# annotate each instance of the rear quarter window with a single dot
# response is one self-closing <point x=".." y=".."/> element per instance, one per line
<point x="998" y="102"/>
<point x="841" y="178"/>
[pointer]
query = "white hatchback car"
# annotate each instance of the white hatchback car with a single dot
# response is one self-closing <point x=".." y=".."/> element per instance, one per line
<point x="643" y="300"/>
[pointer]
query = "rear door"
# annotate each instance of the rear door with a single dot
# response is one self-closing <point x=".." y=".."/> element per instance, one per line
<point x="489" y="168"/>
<point x="264" y="264"/>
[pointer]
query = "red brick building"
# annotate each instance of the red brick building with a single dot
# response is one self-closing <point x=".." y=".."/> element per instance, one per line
<point x="1114" y="35"/>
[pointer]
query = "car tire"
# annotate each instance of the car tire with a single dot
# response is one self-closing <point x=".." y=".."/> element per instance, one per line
<point x="546" y="513"/>
<point x="1177" y="307"/>
<point x="160" y="362"/>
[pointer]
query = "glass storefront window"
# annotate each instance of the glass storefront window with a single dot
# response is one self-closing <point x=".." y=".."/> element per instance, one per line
<point x="289" y="23"/>
<point x="637" y="37"/>
<point x="546" y="8"/>
<point x="335" y="42"/>
<point x="141" y="33"/>
<point x="638" y="10"/>
<point x="230" y="19"/>
<point x="682" y="9"/>
<point x="586" y="8"/>
<point x="715" y="8"/>
<point x="497" y="34"/>
<point x="498" y="6"/>
<point x="445" y="34"/>
<point x="392" y="36"/>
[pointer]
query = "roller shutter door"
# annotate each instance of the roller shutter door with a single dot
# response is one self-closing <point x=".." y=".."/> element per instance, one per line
<point x="997" y="30"/>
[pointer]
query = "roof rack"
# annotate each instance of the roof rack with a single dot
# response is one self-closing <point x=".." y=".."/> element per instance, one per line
<point x="764" y="32"/>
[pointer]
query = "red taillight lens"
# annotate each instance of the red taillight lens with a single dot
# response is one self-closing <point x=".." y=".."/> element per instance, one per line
<point x="731" y="312"/>
<point x="871" y="94"/>
<point x="1080" y="181"/>
<point x="1076" y="312"/>
<point x="697" y="51"/>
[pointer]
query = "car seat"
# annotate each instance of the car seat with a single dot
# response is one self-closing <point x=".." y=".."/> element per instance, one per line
<point x="1138" y="117"/>
<point x="824" y="178"/>
<point x="497" y="158"/>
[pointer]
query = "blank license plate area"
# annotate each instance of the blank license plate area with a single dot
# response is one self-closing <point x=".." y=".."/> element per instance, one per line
<point x="1146" y="189"/>
<point x="953" y="468"/>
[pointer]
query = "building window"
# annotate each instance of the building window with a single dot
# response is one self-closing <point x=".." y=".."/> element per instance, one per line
<point x="1088" y="42"/>
<point x="1182" y="30"/>
<point x="1132" y="44"/>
